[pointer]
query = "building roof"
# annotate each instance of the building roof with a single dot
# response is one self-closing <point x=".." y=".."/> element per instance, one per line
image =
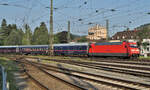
<point x="129" y="34"/>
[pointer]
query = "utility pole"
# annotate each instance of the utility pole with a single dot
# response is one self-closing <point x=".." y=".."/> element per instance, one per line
<point x="51" y="27"/>
<point x="68" y="38"/>
<point x="107" y="29"/>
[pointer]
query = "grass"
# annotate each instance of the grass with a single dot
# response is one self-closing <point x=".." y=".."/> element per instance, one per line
<point x="10" y="67"/>
<point x="142" y="57"/>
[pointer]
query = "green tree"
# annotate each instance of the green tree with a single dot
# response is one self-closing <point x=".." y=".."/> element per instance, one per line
<point x="35" y="36"/>
<point x="82" y="39"/>
<point x="9" y="27"/>
<point x="3" y="31"/>
<point x="56" y="39"/>
<point x="27" y="36"/>
<point x="40" y="36"/>
<point x="144" y="33"/>
<point x="15" y="38"/>
<point x="62" y="36"/>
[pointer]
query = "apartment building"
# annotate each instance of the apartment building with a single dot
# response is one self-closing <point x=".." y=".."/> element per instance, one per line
<point x="97" y="33"/>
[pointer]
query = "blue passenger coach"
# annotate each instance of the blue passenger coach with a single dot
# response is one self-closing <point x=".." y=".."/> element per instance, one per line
<point x="59" y="49"/>
<point x="71" y="49"/>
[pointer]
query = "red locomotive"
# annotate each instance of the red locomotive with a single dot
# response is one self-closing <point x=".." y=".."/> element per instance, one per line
<point x="120" y="49"/>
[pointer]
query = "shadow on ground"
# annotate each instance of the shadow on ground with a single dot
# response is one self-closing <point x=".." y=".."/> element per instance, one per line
<point x="76" y="81"/>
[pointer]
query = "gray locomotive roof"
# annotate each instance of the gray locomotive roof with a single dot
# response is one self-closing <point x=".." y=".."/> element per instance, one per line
<point x="109" y="43"/>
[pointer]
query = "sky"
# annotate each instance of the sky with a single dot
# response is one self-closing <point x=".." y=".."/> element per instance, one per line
<point x="82" y="14"/>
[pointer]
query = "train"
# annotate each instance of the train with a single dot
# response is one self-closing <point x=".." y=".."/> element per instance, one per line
<point x="104" y="49"/>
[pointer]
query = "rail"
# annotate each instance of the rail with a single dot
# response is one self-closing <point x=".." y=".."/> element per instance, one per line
<point x="125" y="82"/>
<point x="47" y="67"/>
<point x="55" y="77"/>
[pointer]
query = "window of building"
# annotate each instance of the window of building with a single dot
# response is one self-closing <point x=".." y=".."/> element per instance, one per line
<point x="118" y="37"/>
<point x="123" y="37"/>
<point x="90" y="33"/>
<point x="148" y="49"/>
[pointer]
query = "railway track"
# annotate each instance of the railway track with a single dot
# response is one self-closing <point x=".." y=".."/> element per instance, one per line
<point x="121" y="65"/>
<point x="39" y="84"/>
<point x="111" y="60"/>
<point x="125" y="84"/>
<point x="28" y="67"/>
<point x="131" y="70"/>
<point x="107" y="68"/>
<point x="125" y="62"/>
<point x="31" y="78"/>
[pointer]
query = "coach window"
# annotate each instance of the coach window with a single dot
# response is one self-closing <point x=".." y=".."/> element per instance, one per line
<point x="84" y="47"/>
<point x="65" y="47"/>
<point x="72" y="47"/>
<point x="77" y="48"/>
<point x="80" y="48"/>
<point x="54" y="48"/>
<point x="60" y="48"/>
<point x="69" y="48"/>
<point x="57" y="48"/>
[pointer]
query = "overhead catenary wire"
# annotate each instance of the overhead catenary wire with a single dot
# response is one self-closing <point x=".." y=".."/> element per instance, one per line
<point x="88" y="13"/>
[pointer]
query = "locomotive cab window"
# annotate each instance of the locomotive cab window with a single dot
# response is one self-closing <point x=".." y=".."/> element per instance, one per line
<point x="133" y="46"/>
<point x="125" y="46"/>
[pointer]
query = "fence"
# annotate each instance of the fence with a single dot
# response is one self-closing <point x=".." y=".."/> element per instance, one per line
<point x="4" y="78"/>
